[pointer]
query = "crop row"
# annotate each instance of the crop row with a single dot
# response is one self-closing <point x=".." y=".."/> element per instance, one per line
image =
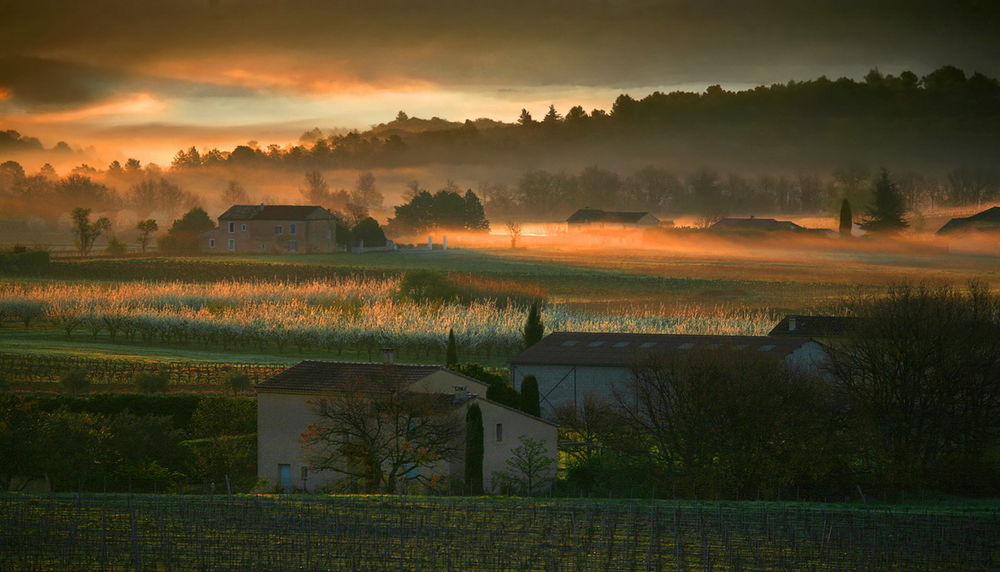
<point x="378" y="533"/>
<point x="30" y="368"/>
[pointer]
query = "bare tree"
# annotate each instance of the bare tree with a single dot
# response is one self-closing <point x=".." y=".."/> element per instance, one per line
<point x="921" y="369"/>
<point x="514" y="230"/>
<point x="378" y="439"/>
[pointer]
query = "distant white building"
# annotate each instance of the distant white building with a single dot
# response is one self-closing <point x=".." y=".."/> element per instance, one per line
<point x="571" y="365"/>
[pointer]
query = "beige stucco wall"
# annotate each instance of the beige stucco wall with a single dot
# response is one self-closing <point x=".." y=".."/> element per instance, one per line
<point x="283" y="417"/>
<point x="515" y="425"/>
<point x="445" y="382"/>
<point x="260" y="236"/>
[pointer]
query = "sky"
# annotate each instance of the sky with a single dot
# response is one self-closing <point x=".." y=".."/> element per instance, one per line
<point x="146" y="77"/>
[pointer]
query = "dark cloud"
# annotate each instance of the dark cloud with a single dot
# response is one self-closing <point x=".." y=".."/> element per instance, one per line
<point x="122" y="44"/>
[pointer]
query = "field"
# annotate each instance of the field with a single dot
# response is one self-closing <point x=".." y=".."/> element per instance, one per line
<point x="150" y="532"/>
<point x="182" y="314"/>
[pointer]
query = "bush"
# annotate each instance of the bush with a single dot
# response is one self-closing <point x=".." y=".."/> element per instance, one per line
<point x="221" y="416"/>
<point x="238" y="382"/>
<point x="117" y="247"/>
<point x="21" y="259"/>
<point x="152" y="382"/>
<point x="427" y="286"/>
<point x="76" y="381"/>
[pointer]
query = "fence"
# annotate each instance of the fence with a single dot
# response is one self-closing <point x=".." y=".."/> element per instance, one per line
<point x="145" y="532"/>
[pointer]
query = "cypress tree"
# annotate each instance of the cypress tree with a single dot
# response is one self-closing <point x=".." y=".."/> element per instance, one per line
<point x="474" y="450"/>
<point x="529" y="396"/>
<point x="846" y="219"/>
<point x="451" y="356"/>
<point x="533" y="327"/>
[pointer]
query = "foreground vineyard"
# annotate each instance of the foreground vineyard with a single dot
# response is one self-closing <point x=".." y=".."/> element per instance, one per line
<point x="383" y="533"/>
<point x="351" y="313"/>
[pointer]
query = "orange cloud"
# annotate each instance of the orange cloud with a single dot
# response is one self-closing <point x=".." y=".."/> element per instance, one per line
<point x="139" y="103"/>
<point x="5" y="94"/>
<point x="285" y="75"/>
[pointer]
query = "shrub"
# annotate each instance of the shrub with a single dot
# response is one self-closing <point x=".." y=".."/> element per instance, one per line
<point x="116" y="247"/>
<point x="152" y="382"/>
<point x="237" y="382"/>
<point x="76" y="381"/>
<point x="221" y="416"/>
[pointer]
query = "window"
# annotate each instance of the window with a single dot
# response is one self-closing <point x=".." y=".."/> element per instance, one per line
<point x="292" y="228"/>
<point x="305" y="473"/>
<point x="595" y="344"/>
<point x="293" y="246"/>
<point x="232" y="227"/>
<point x="278" y="229"/>
<point x="232" y="244"/>
<point x="211" y="243"/>
<point x="499" y="432"/>
<point x="243" y="227"/>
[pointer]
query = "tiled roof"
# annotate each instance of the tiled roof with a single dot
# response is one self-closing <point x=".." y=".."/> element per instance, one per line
<point x="764" y="224"/>
<point x="320" y="376"/>
<point x="813" y="326"/>
<point x="275" y="212"/>
<point x="625" y="350"/>
<point x="597" y="215"/>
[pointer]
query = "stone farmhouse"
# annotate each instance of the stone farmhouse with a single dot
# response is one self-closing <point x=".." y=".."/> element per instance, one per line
<point x="571" y="365"/>
<point x="264" y="228"/>
<point x="286" y="406"/>
<point x="591" y="219"/>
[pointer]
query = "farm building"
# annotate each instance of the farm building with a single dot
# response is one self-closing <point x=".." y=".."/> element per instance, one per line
<point x="272" y="228"/>
<point x="800" y="326"/>
<point x="587" y="219"/>
<point x="571" y="365"/>
<point x="985" y="221"/>
<point x="287" y="405"/>
<point x="754" y="224"/>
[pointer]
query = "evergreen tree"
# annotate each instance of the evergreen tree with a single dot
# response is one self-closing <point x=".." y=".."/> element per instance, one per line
<point x="846" y="219"/>
<point x="475" y="216"/>
<point x="529" y="396"/>
<point x="533" y="327"/>
<point x="885" y="215"/>
<point x="451" y="358"/>
<point x="474" y="450"/>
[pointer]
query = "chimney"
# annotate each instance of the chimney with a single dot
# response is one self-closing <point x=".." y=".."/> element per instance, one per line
<point x="791" y="323"/>
<point x="388" y="356"/>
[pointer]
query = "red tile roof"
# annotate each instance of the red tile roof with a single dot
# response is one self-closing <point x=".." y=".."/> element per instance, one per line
<point x="322" y="376"/>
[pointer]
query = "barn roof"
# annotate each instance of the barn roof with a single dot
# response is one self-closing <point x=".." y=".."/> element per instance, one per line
<point x="989" y="217"/>
<point x="625" y="349"/>
<point x="812" y="326"/>
<point x="598" y="215"/>
<point x="760" y="224"/>
<point x="275" y="212"/>
<point x="321" y="376"/>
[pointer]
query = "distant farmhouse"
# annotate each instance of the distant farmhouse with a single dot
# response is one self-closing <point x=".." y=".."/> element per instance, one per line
<point x="272" y="228"/>
<point x="985" y="221"/>
<point x="588" y="219"/>
<point x="286" y="406"/>
<point x="571" y="365"/>
<point x="762" y="225"/>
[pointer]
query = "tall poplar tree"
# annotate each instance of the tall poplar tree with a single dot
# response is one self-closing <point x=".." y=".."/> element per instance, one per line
<point x="533" y="327"/>
<point x="846" y="219"/>
<point x="451" y="356"/>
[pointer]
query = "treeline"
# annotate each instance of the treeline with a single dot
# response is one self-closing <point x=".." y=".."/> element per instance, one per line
<point x="908" y="403"/>
<point x="140" y="443"/>
<point x="542" y="194"/>
<point x="946" y="116"/>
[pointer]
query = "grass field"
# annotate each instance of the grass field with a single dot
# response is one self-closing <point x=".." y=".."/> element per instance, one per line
<point x="150" y="532"/>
